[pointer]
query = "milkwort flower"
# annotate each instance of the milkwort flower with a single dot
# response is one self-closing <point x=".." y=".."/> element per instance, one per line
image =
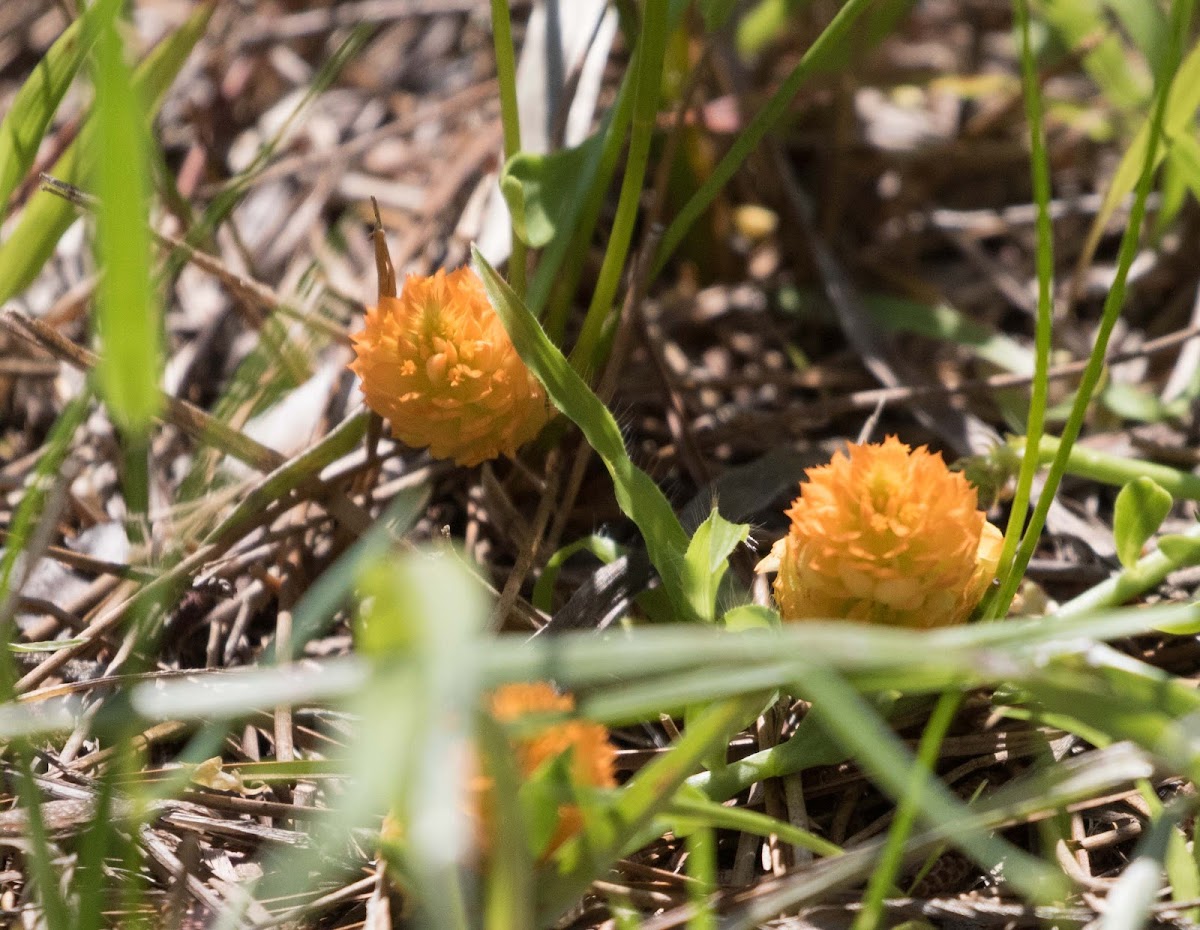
<point x="885" y="534"/>
<point x="591" y="760"/>
<point x="437" y="363"/>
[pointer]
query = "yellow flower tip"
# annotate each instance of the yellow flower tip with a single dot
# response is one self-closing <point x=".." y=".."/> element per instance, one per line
<point x="437" y="363"/>
<point x="886" y="534"/>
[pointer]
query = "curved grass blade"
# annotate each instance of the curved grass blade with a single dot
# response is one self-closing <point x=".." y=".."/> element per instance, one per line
<point x="638" y="496"/>
<point x="645" y="795"/>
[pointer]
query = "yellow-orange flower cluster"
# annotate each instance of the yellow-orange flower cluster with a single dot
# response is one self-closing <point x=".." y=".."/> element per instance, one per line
<point x="592" y="757"/>
<point x="886" y="534"/>
<point x="591" y="763"/>
<point x="438" y="364"/>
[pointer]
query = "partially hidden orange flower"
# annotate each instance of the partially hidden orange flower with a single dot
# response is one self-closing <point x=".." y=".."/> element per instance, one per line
<point x="591" y="763"/>
<point x="886" y="534"/>
<point x="438" y="364"/>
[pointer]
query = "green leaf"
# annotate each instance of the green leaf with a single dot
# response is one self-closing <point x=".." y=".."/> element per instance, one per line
<point x="637" y="495"/>
<point x="1134" y="403"/>
<point x="46" y="216"/>
<point x="542" y="191"/>
<point x="1182" y="100"/>
<point x="127" y="372"/>
<point x="1146" y="24"/>
<point x="850" y="720"/>
<point x="601" y="547"/>
<point x="1182" y="550"/>
<point x="36" y="102"/>
<point x="1131" y="899"/>
<point x="1126" y="700"/>
<point x="1083" y="28"/>
<point x="1141" y="507"/>
<point x="508" y="901"/>
<point x="750" y="617"/>
<point x="691" y="807"/>
<point x="1184" y="156"/>
<point x="423" y="613"/>
<point x="828" y="42"/>
<point x="541" y="795"/>
<point x="942" y="321"/>
<point x="707" y="560"/>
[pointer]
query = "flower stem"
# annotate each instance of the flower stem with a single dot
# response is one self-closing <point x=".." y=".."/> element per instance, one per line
<point x="1111" y="313"/>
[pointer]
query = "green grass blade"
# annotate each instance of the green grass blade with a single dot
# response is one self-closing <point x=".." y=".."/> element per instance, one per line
<point x="1114" y="694"/>
<point x="601" y="547"/>
<point x="129" y="327"/>
<point x="1035" y="422"/>
<point x="1013" y="573"/>
<point x="1130" y="902"/>
<point x="36" y="102"/>
<point x="645" y="795"/>
<point x="851" y="721"/>
<point x="638" y="496"/>
<point x="892" y="858"/>
<point x="46" y="216"/>
<point x="29" y="510"/>
<point x="652" y="44"/>
<point x="694" y="805"/>
<point x="1052" y="788"/>
<point x="1178" y="120"/>
<point x="1082" y="25"/>
<point x="748" y="139"/>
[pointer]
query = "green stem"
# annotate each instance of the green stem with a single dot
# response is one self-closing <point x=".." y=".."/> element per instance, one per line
<point x="1148" y="573"/>
<point x="1035" y="424"/>
<point x="556" y="279"/>
<point x="1115" y="470"/>
<point x="883" y="878"/>
<point x="1112" y="311"/>
<point x="652" y="45"/>
<point x="506" y="76"/>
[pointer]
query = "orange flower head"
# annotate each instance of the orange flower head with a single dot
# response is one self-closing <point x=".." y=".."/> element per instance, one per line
<point x="438" y="364"/>
<point x="886" y="534"/>
<point x="592" y="760"/>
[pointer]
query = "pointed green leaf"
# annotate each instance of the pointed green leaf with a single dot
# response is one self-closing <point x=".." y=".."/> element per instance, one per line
<point x="750" y="617"/>
<point x="1182" y="550"/>
<point x="1141" y="507"/>
<point x="707" y="559"/>
<point x="1182" y="100"/>
<point x="542" y="190"/>
<point x="638" y="496"/>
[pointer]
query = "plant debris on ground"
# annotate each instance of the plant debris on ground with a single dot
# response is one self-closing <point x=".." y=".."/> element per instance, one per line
<point x="249" y="628"/>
